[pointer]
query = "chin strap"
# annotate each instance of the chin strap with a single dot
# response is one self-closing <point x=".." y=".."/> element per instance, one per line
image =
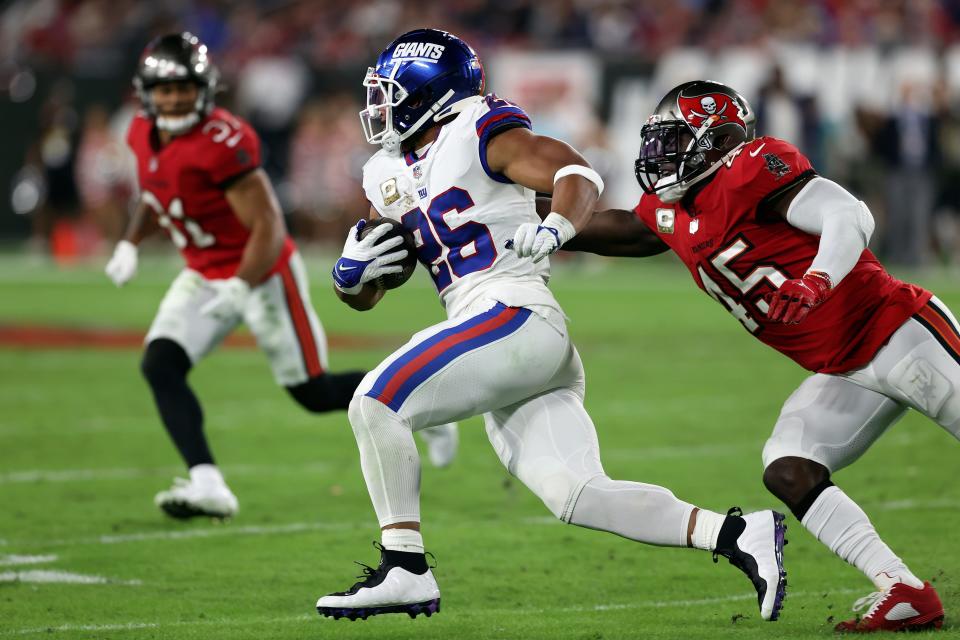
<point x="177" y="125"/>
<point x="391" y="141"/>
<point x="676" y="190"/>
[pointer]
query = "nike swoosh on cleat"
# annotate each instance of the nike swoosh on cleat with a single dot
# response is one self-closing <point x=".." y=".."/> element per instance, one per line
<point x="753" y="154"/>
<point x="901" y="611"/>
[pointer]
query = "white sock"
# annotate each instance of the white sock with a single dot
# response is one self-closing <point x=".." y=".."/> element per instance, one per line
<point x="706" y="529"/>
<point x="836" y="521"/>
<point x="408" y="540"/>
<point x="206" y="475"/>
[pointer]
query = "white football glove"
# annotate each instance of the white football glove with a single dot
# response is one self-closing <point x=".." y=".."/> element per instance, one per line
<point x="540" y="240"/>
<point x="123" y="264"/>
<point x="363" y="260"/>
<point x="229" y="300"/>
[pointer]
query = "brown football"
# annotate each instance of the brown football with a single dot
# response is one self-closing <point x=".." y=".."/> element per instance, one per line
<point x="409" y="263"/>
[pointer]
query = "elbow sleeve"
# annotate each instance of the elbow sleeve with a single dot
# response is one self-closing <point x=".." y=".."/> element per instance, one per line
<point x="843" y="223"/>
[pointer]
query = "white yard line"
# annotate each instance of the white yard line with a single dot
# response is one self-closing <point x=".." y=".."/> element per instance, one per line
<point x="186" y="534"/>
<point x="43" y="576"/>
<point x="84" y="627"/>
<point x="226" y="530"/>
<point x="653" y="604"/>
<point x="910" y="504"/>
<point x="30" y="476"/>
<point x="14" y="560"/>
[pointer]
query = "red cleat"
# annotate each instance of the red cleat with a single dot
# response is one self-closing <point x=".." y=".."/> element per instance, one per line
<point x="899" y="608"/>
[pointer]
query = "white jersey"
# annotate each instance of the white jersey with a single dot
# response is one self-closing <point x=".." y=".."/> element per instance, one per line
<point x="462" y="213"/>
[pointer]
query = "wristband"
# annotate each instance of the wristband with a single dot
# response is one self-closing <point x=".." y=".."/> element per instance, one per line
<point x="565" y="229"/>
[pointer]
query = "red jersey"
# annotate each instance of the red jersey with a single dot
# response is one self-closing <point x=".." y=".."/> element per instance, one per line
<point x="184" y="181"/>
<point x="737" y="254"/>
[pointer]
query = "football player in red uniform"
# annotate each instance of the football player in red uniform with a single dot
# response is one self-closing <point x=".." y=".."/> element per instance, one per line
<point x="200" y="179"/>
<point x="785" y="251"/>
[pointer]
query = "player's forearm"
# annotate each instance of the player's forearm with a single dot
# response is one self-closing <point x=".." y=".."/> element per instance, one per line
<point x="262" y="251"/>
<point x="614" y="233"/>
<point x="843" y="223"/>
<point x="575" y="198"/>
<point x="367" y="299"/>
<point x="142" y="225"/>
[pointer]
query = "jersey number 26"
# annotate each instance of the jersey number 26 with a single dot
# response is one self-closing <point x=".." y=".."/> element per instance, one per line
<point x="450" y="247"/>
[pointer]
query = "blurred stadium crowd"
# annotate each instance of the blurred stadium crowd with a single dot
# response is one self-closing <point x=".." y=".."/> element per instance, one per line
<point x="869" y="89"/>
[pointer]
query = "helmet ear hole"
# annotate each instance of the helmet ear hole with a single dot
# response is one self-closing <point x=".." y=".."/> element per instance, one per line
<point x="723" y="142"/>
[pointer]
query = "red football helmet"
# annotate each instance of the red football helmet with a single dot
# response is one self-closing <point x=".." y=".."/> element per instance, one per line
<point x="693" y="128"/>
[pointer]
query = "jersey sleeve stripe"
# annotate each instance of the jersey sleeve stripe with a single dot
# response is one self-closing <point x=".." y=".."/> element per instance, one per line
<point x="301" y="323"/>
<point x="500" y="114"/>
<point x="418" y="364"/>
<point x="941" y="329"/>
<point x="501" y="121"/>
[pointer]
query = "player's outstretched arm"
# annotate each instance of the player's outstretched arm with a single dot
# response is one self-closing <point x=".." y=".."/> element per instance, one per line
<point x="547" y="165"/>
<point x="122" y="266"/>
<point x="613" y="232"/>
<point x="255" y="204"/>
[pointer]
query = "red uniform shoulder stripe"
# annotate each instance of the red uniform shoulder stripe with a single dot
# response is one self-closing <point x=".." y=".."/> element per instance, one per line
<point x="943" y="330"/>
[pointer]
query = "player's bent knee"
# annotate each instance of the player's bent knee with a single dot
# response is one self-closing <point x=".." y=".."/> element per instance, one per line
<point x="794" y="480"/>
<point x="164" y="362"/>
<point x="368" y="416"/>
<point x="560" y="491"/>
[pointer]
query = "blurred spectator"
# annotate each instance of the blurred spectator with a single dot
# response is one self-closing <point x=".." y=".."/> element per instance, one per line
<point x="817" y="71"/>
<point x="326" y="156"/>
<point x="102" y="175"/>
<point x="55" y="153"/>
<point x="907" y="142"/>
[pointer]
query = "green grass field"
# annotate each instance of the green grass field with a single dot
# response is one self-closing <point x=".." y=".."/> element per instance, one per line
<point x="682" y="396"/>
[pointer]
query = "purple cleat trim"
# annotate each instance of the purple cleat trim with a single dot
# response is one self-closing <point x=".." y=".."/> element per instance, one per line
<point x="427" y="608"/>
<point x="779" y="534"/>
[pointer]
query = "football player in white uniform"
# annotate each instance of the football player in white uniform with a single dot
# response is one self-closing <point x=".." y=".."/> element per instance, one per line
<point x="198" y="169"/>
<point x="460" y="170"/>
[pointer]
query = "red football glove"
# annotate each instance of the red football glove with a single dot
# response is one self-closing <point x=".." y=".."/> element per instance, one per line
<point x="791" y="303"/>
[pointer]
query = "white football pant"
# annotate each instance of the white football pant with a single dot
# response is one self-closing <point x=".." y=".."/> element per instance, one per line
<point x="278" y="313"/>
<point x="519" y="369"/>
<point x="833" y="419"/>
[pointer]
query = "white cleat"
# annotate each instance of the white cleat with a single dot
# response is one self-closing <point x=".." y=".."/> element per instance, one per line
<point x="386" y="589"/>
<point x="186" y="499"/>
<point x="442" y="442"/>
<point x="754" y="544"/>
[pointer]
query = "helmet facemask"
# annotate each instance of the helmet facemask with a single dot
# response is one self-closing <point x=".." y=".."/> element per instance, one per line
<point x="176" y="124"/>
<point x="384" y="96"/>
<point x="672" y="157"/>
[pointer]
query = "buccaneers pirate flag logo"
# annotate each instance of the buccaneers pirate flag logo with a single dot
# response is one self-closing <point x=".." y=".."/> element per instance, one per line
<point x="719" y="107"/>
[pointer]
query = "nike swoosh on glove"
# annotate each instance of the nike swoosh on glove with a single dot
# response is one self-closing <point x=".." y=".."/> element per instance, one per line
<point x="792" y="302"/>
<point x="364" y="260"/>
<point x="229" y="300"/>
